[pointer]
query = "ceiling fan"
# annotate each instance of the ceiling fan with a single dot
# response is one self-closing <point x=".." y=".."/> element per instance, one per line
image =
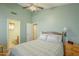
<point x="33" y="7"/>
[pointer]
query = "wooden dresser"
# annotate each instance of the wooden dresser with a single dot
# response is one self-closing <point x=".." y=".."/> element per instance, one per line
<point x="71" y="49"/>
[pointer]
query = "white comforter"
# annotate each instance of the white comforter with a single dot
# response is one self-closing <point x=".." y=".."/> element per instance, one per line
<point x="38" y="48"/>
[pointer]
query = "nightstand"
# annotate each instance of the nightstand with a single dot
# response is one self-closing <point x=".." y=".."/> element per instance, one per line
<point x="71" y="49"/>
<point x="75" y="50"/>
<point x="68" y="49"/>
<point x="3" y="51"/>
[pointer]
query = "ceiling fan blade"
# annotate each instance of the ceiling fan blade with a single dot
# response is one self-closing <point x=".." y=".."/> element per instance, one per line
<point x="26" y="7"/>
<point x="40" y="7"/>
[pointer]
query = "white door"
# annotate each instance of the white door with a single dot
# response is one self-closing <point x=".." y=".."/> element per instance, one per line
<point x="34" y="28"/>
<point x="29" y="32"/>
<point x="13" y="33"/>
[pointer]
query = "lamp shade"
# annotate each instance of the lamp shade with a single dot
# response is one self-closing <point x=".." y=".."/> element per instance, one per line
<point x="65" y="29"/>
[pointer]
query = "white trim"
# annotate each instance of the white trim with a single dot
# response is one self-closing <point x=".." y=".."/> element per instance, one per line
<point x="7" y="33"/>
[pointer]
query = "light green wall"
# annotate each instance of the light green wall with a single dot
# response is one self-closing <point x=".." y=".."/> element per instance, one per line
<point x="5" y="13"/>
<point x="58" y="18"/>
<point x="47" y="20"/>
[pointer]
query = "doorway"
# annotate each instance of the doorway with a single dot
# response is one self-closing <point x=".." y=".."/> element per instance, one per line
<point x="34" y="27"/>
<point x="31" y="31"/>
<point x="13" y="33"/>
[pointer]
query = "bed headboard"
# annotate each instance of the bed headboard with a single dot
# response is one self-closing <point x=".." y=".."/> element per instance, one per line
<point x="55" y="33"/>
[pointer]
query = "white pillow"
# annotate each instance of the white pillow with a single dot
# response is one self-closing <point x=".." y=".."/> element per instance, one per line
<point x="43" y="37"/>
<point x="54" y="38"/>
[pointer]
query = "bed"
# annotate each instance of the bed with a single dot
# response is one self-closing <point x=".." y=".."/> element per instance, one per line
<point x="39" y="47"/>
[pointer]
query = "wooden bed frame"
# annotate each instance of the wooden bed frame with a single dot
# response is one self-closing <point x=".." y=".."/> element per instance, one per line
<point x="58" y="33"/>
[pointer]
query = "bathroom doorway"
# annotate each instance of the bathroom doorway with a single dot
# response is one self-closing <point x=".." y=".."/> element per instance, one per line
<point x="13" y="33"/>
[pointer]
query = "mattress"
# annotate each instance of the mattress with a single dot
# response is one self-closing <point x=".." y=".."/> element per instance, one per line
<point x="38" y="48"/>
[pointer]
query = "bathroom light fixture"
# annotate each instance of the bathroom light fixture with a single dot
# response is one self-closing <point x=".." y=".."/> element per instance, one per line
<point x="11" y="26"/>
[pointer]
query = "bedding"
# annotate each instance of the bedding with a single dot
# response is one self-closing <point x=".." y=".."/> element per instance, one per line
<point x="54" y="38"/>
<point x="38" y="48"/>
<point x="43" y="36"/>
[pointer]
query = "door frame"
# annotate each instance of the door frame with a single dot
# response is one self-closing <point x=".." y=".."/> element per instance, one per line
<point x="32" y="31"/>
<point x="34" y="27"/>
<point x="8" y="30"/>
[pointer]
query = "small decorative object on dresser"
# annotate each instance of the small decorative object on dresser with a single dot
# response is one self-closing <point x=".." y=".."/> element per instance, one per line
<point x="71" y="49"/>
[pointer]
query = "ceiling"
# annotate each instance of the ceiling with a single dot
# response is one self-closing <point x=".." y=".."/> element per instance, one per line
<point x="45" y="5"/>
